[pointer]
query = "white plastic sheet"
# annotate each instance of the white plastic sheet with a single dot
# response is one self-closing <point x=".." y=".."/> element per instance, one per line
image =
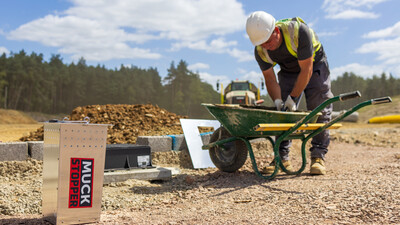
<point x="200" y="158"/>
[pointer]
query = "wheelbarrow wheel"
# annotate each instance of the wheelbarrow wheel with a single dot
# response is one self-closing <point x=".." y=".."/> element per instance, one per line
<point x="231" y="156"/>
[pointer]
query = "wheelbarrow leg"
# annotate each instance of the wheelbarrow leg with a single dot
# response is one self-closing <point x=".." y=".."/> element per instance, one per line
<point x="278" y="160"/>
<point x="304" y="120"/>
<point x="253" y="160"/>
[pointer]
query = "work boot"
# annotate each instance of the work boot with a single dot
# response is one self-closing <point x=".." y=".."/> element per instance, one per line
<point x="271" y="168"/>
<point x="317" y="166"/>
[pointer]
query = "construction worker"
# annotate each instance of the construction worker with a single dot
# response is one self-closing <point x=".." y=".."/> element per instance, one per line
<point x="295" y="47"/>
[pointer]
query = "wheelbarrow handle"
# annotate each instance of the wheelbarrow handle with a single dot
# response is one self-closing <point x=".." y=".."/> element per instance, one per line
<point x="350" y="95"/>
<point x="382" y="100"/>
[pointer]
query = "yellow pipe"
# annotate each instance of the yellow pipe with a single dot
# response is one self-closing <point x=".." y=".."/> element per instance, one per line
<point x="287" y="126"/>
<point x="385" y="119"/>
<point x="222" y="94"/>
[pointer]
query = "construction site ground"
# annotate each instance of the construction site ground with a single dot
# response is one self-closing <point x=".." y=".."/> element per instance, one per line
<point x="361" y="186"/>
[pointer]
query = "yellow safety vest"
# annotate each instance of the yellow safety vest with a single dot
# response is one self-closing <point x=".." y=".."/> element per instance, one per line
<point x="290" y="30"/>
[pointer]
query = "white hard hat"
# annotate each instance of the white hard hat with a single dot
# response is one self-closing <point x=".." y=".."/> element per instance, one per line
<point x="259" y="27"/>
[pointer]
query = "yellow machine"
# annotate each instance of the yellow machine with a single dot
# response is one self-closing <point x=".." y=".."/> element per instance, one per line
<point x="240" y="92"/>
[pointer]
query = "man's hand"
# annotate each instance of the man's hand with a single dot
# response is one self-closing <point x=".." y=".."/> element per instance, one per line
<point x="290" y="104"/>
<point x="279" y="104"/>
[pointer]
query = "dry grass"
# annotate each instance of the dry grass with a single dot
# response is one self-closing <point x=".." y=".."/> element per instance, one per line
<point x="8" y="116"/>
<point x="13" y="132"/>
<point x="15" y="124"/>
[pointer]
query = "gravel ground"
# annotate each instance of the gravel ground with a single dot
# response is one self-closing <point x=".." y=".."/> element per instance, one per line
<point x="361" y="187"/>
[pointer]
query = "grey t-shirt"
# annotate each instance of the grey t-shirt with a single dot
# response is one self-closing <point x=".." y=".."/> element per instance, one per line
<point x="287" y="62"/>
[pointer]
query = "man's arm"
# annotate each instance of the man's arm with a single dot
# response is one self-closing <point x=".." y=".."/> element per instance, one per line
<point x="306" y="68"/>
<point x="273" y="88"/>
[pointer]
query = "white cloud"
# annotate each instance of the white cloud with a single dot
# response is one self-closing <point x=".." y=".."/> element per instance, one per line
<point x="393" y="31"/>
<point x="178" y="19"/>
<point x="219" y="46"/>
<point x="358" y="69"/>
<point x="327" y="34"/>
<point x="4" y="50"/>
<point x="242" y="56"/>
<point x="114" y="29"/>
<point x="350" y="9"/>
<point x="253" y="76"/>
<point x="354" y="14"/>
<point x="388" y="50"/>
<point x="198" y="66"/>
<point x="83" y="38"/>
<point x="213" y="79"/>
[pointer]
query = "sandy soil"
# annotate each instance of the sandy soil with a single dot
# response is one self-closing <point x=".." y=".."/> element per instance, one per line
<point x="361" y="187"/>
<point x="13" y="132"/>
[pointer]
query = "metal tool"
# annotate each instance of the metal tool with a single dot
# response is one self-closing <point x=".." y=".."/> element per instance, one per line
<point x="297" y="101"/>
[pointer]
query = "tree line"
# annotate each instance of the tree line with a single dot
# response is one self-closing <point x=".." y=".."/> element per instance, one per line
<point x="370" y="88"/>
<point x="29" y="83"/>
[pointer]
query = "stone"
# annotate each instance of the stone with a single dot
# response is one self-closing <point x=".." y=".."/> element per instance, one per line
<point x="156" y="143"/>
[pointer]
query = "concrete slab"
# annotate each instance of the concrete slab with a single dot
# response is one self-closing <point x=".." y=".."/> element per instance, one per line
<point x="35" y="149"/>
<point x="174" y="171"/>
<point x="178" y="142"/>
<point x="168" y="142"/>
<point x="156" y="143"/>
<point x="205" y="138"/>
<point x="158" y="173"/>
<point x="13" y="151"/>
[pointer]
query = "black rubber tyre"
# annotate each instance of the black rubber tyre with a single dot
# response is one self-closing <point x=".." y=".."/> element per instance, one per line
<point x="232" y="157"/>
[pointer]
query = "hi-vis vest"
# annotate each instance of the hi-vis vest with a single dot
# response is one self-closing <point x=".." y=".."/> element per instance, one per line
<point x="290" y="30"/>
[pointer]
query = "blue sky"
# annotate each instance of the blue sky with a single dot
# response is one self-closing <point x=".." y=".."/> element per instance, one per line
<point x="362" y="36"/>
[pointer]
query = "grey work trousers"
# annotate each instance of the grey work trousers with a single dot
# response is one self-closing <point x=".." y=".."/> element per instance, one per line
<point x="317" y="91"/>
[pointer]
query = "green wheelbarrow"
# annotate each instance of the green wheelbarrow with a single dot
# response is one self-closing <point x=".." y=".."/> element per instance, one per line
<point x="229" y="145"/>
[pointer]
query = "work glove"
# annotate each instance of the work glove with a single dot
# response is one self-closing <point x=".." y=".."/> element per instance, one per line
<point x="290" y="104"/>
<point x="279" y="104"/>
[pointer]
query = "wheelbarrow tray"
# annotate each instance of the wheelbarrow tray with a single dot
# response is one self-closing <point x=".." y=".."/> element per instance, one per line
<point x="240" y="121"/>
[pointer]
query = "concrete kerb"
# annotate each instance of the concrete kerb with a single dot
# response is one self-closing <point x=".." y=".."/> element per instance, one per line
<point x="156" y="143"/>
<point x="13" y="151"/>
<point x="20" y="151"/>
<point x="168" y="142"/>
<point x="158" y="173"/>
<point x="35" y="149"/>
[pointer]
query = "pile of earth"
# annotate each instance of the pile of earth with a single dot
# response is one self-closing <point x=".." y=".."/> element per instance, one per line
<point x="129" y="122"/>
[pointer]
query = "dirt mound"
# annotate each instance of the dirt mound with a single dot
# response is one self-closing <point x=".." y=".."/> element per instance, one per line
<point x="8" y="116"/>
<point x="129" y="121"/>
